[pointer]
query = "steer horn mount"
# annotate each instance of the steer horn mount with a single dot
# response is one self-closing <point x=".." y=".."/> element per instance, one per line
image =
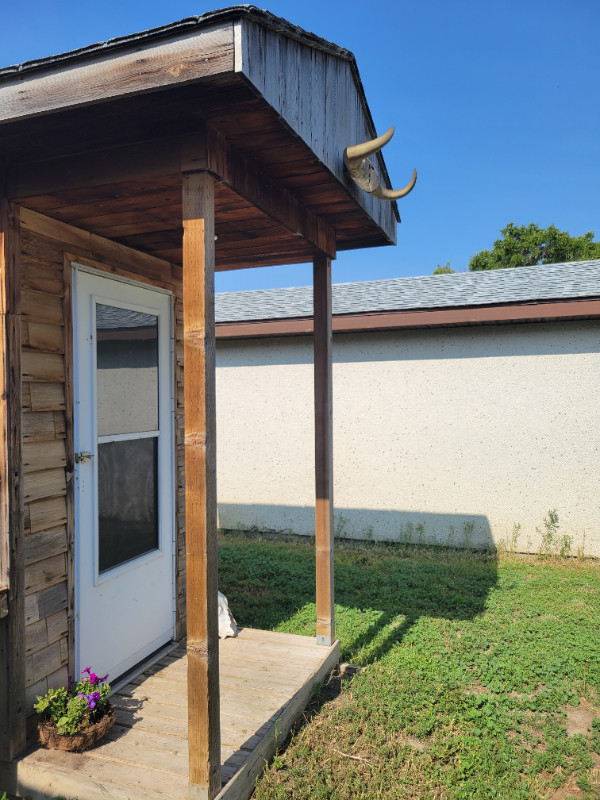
<point x="365" y="175"/>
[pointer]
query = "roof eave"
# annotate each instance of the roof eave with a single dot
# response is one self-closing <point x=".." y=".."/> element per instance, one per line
<point x="459" y="316"/>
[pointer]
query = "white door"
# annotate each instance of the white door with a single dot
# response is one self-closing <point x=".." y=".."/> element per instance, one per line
<point x="124" y="472"/>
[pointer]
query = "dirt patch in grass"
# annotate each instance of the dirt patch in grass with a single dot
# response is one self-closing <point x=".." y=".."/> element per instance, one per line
<point x="580" y="718"/>
<point x="568" y="791"/>
<point x="416" y="744"/>
<point x="478" y="689"/>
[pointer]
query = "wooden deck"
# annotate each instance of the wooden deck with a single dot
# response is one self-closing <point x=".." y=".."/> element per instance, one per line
<point x="266" y="680"/>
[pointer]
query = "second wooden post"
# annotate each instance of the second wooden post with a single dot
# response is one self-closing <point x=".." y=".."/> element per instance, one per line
<point x="204" y="736"/>
<point x="323" y="449"/>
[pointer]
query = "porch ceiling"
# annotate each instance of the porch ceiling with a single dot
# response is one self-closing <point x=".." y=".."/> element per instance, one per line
<point x="146" y="213"/>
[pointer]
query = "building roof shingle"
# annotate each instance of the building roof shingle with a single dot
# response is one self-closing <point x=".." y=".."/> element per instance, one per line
<point x="571" y="280"/>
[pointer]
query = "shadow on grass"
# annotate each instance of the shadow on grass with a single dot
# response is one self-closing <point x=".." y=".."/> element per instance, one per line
<point x="381" y="591"/>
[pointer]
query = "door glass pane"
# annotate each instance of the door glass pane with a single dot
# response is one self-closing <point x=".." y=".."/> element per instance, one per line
<point x="127" y="360"/>
<point x="127" y="500"/>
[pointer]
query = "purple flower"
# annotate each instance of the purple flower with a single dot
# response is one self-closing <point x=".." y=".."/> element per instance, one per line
<point x="94" y="679"/>
<point x="92" y="699"/>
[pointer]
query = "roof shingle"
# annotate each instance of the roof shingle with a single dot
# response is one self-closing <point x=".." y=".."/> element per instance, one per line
<point x="570" y="280"/>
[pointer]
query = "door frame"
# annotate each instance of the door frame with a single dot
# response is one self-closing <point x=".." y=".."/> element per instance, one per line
<point x="166" y="465"/>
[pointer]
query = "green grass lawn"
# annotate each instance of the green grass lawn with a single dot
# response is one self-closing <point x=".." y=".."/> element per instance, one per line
<point x="480" y="674"/>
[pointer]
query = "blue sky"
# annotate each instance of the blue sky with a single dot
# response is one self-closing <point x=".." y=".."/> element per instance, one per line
<point x="495" y="103"/>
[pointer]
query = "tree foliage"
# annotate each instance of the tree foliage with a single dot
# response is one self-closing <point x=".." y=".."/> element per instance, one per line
<point x="528" y="245"/>
<point x="445" y="270"/>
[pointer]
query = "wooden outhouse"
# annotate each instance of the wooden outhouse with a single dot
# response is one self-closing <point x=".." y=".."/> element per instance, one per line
<point x="129" y="171"/>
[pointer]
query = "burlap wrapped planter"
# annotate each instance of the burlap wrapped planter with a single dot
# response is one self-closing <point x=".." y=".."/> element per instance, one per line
<point x="76" y="742"/>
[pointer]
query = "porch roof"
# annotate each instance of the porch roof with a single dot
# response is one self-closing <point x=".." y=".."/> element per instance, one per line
<point x="281" y="103"/>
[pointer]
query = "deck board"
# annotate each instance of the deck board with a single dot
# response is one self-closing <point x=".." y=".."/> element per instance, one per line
<point x="266" y="681"/>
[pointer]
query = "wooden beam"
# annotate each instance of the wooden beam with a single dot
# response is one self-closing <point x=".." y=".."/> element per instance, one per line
<point x="200" y="486"/>
<point x="143" y="160"/>
<point x="254" y="184"/>
<point x="323" y="450"/>
<point x="12" y="571"/>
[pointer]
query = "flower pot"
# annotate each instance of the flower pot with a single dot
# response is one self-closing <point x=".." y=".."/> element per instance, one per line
<point x="77" y="742"/>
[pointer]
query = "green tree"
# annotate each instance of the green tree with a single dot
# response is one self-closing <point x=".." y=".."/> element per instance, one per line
<point x="527" y="245"/>
<point x="445" y="270"/>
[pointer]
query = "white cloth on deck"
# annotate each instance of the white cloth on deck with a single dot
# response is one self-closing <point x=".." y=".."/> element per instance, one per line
<point x="227" y="623"/>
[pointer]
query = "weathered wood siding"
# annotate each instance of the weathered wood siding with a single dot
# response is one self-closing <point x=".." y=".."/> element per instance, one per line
<point x="188" y="58"/>
<point x="12" y="568"/>
<point x="47" y="250"/>
<point x="317" y="95"/>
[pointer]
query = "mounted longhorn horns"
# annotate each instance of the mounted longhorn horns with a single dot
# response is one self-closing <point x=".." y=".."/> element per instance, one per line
<point x="365" y="175"/>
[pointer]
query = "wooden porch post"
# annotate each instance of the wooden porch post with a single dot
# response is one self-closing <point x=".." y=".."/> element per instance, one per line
<point x="323" y="450"/>
<point x="204" y="735"/>
<point x="12" y="591"/>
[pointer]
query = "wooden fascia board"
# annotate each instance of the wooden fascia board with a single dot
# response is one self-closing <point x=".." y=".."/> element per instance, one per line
<point x="156" y="65"/>
<point x="206" y="150"/>
<point x="394" y="320"/>
<point x="335" y="114"/>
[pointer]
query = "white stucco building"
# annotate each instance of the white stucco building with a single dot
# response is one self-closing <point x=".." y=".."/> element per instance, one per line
<point x="464" y="405"/>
